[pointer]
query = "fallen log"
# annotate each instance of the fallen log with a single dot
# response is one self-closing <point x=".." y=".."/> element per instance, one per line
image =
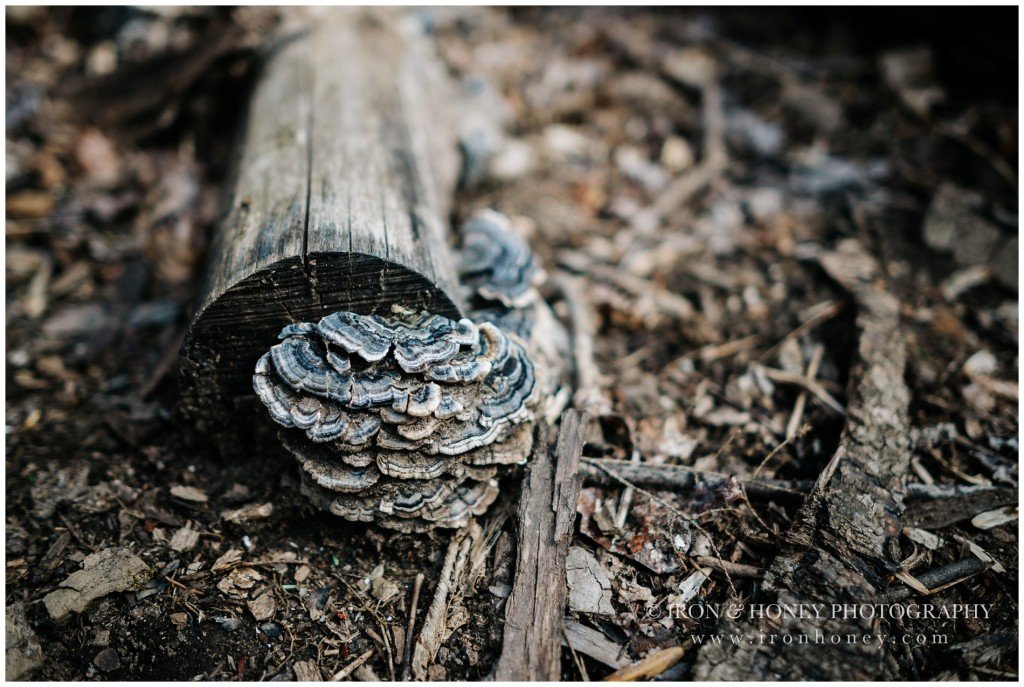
<point x="340" y="201"/>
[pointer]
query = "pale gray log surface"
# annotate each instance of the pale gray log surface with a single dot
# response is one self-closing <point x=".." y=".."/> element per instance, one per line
<point x="340" y="201"/>
<point x="532" y="645"/>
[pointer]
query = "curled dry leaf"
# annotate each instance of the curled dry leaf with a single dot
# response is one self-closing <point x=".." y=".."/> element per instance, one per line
<point x="239" y="581"/>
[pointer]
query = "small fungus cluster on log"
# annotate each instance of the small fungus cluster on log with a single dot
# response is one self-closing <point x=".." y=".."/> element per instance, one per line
<point x="405" y="420"/>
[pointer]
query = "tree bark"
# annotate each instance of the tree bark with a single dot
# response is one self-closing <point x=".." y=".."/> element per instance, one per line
<point x="841" y="546"/>
<point x="340" y="201"/>
<point x="532" y="645"/>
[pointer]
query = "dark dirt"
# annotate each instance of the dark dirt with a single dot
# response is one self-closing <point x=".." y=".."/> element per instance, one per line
<point x="110" y="206"/>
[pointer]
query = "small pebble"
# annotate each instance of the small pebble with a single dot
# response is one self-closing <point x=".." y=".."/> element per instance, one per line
<point x="271" y="630"/>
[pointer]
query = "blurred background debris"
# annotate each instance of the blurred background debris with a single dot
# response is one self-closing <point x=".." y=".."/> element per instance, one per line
<point x="681" y="171"/>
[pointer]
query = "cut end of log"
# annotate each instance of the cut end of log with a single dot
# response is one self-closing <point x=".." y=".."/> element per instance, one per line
<point x="231" y="333"/>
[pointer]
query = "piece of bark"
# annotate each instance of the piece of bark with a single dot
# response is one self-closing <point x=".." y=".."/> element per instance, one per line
<point x="104" y="572"/>
<point x="307" y="671"/>
<point x="590" y="588"/>
<point x="340" y="199"/>
<point x="841" y="547"/>
<point x="24" y="653"/>
<point x="532" y="646"/>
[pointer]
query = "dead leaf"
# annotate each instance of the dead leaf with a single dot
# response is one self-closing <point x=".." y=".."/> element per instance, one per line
<point x="227" y="560"/>
<point x="239" y="581"/>
<point x="184" y="539"/>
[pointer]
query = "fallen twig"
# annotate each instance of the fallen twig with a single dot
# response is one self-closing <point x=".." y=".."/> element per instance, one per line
<point x="817" y="315"/>
<point x="807" y="384"/>
<point x="416" y="585"/>
<point x="943" y="577"/>
<point x="801" y="401"/>
<point x="677" y="477"/>
<point x="353" y="666"/>
<point x="841" y="545"/>
<point x="650" y="667"/>
<point x="588" y="394"/>
<point x="593" y="643"/>
<point x="737" y="569"/>
<point x="626" y="500"/>
<point x="434" y="628"/>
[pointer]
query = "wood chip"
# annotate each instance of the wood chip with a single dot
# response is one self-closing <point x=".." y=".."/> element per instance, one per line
<point x="307" y="671"/>
<point x="912" y="582"/>
<point x="184" y="539"/>
<point x="689" y="587"/>
<point x="250" y="512"/>
<point x="189" y="494"/>
<point x="995" y="518"/>
<point x="230" y="557"/>
<point x="594" y="644"/>
<point x="590" y="589"/>
<point x="925" y="538"/>
<point x="263" y="606"/>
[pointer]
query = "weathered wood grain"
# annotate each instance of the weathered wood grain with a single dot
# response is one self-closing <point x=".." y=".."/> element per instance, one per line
<point x="532" y="644"/>
<point x="340" y="201"/>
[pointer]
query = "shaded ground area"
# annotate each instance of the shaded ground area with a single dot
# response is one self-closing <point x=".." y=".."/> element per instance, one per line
<point x="684" y="170"/>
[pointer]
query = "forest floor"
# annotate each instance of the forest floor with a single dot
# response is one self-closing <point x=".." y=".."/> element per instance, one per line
<point x="680" y="175"/>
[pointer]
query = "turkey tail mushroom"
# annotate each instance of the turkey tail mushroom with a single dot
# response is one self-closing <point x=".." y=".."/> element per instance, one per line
<point x="407" y="420"/>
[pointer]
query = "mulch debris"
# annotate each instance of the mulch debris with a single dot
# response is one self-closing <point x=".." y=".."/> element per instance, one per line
<point x="684" y="169"/>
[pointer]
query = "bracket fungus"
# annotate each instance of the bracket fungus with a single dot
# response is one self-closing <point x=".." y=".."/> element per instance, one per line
<point x="407" y="420"/>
